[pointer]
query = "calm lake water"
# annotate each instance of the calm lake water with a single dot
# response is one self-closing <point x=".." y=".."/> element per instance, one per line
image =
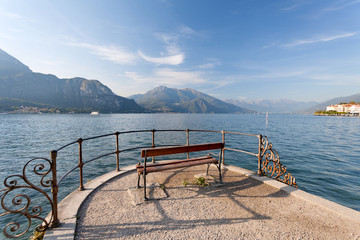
<point x="323" y="153"/>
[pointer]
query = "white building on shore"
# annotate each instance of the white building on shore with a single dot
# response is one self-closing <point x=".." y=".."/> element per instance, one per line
<point x="345" y="108"/>
<point x="355" y="109"/>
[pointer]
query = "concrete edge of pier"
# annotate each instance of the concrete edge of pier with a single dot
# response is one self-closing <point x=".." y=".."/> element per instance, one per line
<point x="332" y="206"/>
<point x="70" y="205"/>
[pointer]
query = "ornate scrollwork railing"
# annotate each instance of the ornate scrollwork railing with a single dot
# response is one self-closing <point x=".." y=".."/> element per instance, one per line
<point x="270" y="164"/>
<point x="21" y="203"/>
<point x="45" y="174"/>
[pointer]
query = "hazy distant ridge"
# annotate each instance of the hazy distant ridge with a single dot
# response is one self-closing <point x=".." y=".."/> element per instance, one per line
<point x="322" y="106"/>
<point x="19" y="82"/>
<point x="274" y="106"/>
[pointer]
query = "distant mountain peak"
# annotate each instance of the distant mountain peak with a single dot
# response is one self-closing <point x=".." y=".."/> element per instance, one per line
<point x="17" y="81"/>
<point x="186" y="100"/>
<point x="160" y="88"/>
<point x="189" y="89"/>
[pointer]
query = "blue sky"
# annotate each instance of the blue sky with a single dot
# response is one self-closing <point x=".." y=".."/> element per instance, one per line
<point x="250" y="49"/>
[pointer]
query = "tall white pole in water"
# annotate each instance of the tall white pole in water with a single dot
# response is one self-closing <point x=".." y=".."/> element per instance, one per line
<point x="267" y="118"/>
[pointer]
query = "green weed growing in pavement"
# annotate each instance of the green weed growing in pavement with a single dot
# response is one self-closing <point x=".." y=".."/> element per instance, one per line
<point x="201" y="181"/>
<point x="37" y="235"/>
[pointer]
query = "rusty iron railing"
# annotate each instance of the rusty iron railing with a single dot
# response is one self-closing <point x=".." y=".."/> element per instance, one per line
<point x="268" y="162"/>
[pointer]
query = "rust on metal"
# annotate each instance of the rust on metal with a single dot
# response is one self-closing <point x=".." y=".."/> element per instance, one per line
<point x="153" y="143"/>
<point x="117" y="152"/>
<point x="271" y="165"/>
<point x="21" y="204"/>
<point x="81" y="164"/>
<point x="54" y="190"/>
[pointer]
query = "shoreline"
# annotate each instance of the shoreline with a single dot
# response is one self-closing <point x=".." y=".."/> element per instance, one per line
<point x="336" y="115"/>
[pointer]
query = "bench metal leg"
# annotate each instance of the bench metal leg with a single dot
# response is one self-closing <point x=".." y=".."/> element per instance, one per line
<point x="138" y="183"/>
<point x="220" y="177"/>
<point x="144" y="176"/>
<point x="218" y="167"/>
<point x="207" y="169"/>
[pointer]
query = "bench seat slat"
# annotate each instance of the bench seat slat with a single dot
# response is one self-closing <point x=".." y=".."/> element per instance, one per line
<point x="176" y="164"/>
<point x="168" y="162"/>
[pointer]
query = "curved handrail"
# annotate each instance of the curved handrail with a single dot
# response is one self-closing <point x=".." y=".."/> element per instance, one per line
<point x="268" y="164"/>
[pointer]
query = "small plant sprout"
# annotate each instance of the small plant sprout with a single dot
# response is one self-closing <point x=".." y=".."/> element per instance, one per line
<point x="201" y="181"/>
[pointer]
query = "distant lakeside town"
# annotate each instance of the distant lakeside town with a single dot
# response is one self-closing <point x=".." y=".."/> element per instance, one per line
<point x="342" y="109"/>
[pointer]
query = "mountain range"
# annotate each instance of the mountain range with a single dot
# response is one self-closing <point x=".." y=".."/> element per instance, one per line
<point x="338" y="100"/>
<point x="21" y="87"/>
<point x="17" y="81"/>
<point x="274" y="106"/>
<point x="187" y="100"/>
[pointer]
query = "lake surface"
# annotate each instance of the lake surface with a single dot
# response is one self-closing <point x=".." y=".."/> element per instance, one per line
<point x="323" y="153"/>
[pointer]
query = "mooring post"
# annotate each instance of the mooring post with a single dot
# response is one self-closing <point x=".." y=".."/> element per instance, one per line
<point x="188" y="141"/>
<point x="117" y="152"/>
<point x="54" y="190"/>
<point x="153" y="142"/>
<point x="259" y="155"/>
<point x="81" y="164"/>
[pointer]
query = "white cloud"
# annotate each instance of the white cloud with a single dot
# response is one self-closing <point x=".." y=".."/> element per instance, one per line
<point x="207" y="66"/>
<point x="337" y="79"/>
<point x="185" y="31"/>
<point x="211" y="64"/>
<point x="241" y="98"/>
<point x="341" y="4"/>
<point x="280" y="74"/>
<point x="111" y="53"/>
<point x="182" y="32"/>
<point x="171" y="77"/>
<point x="316" y="40"/>
<point x="216" y="85"/>
<point x="168" y="77"/>
<point x="292" y="7"/>
<point x="15" y="30"/>
<point x="8" y="37"/>
<point x="137" y="78"/>
<point x="9" y="14"/>
<point x="170" y="60"/>
<point x="171" y="41"/>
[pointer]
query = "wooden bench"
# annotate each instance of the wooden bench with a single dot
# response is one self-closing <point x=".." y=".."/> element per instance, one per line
<point x="146" y="168"/>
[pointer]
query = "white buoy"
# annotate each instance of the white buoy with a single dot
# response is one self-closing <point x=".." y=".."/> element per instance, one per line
<point x="267" y="118"/>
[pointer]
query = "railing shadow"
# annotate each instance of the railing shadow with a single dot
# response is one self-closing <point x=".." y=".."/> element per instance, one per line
<point x="162" y="214"/>
<point x="267" y="158"/>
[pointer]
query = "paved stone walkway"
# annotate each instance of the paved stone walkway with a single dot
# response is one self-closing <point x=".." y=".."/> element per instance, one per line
<point x="242" y="208"/>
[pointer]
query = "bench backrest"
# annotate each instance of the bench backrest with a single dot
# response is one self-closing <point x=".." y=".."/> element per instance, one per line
<point x="152" y="152"/>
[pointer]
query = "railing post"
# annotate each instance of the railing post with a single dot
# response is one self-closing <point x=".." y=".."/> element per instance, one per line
<point x="259" y="155"/>
<point x="153" y="142"/>
<point x="188" y="141"/>
<point x="223" y="150"/>
<point x="117" y="152"/>
<point x="54" y="190"/>
<point x="81" y="187"/>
